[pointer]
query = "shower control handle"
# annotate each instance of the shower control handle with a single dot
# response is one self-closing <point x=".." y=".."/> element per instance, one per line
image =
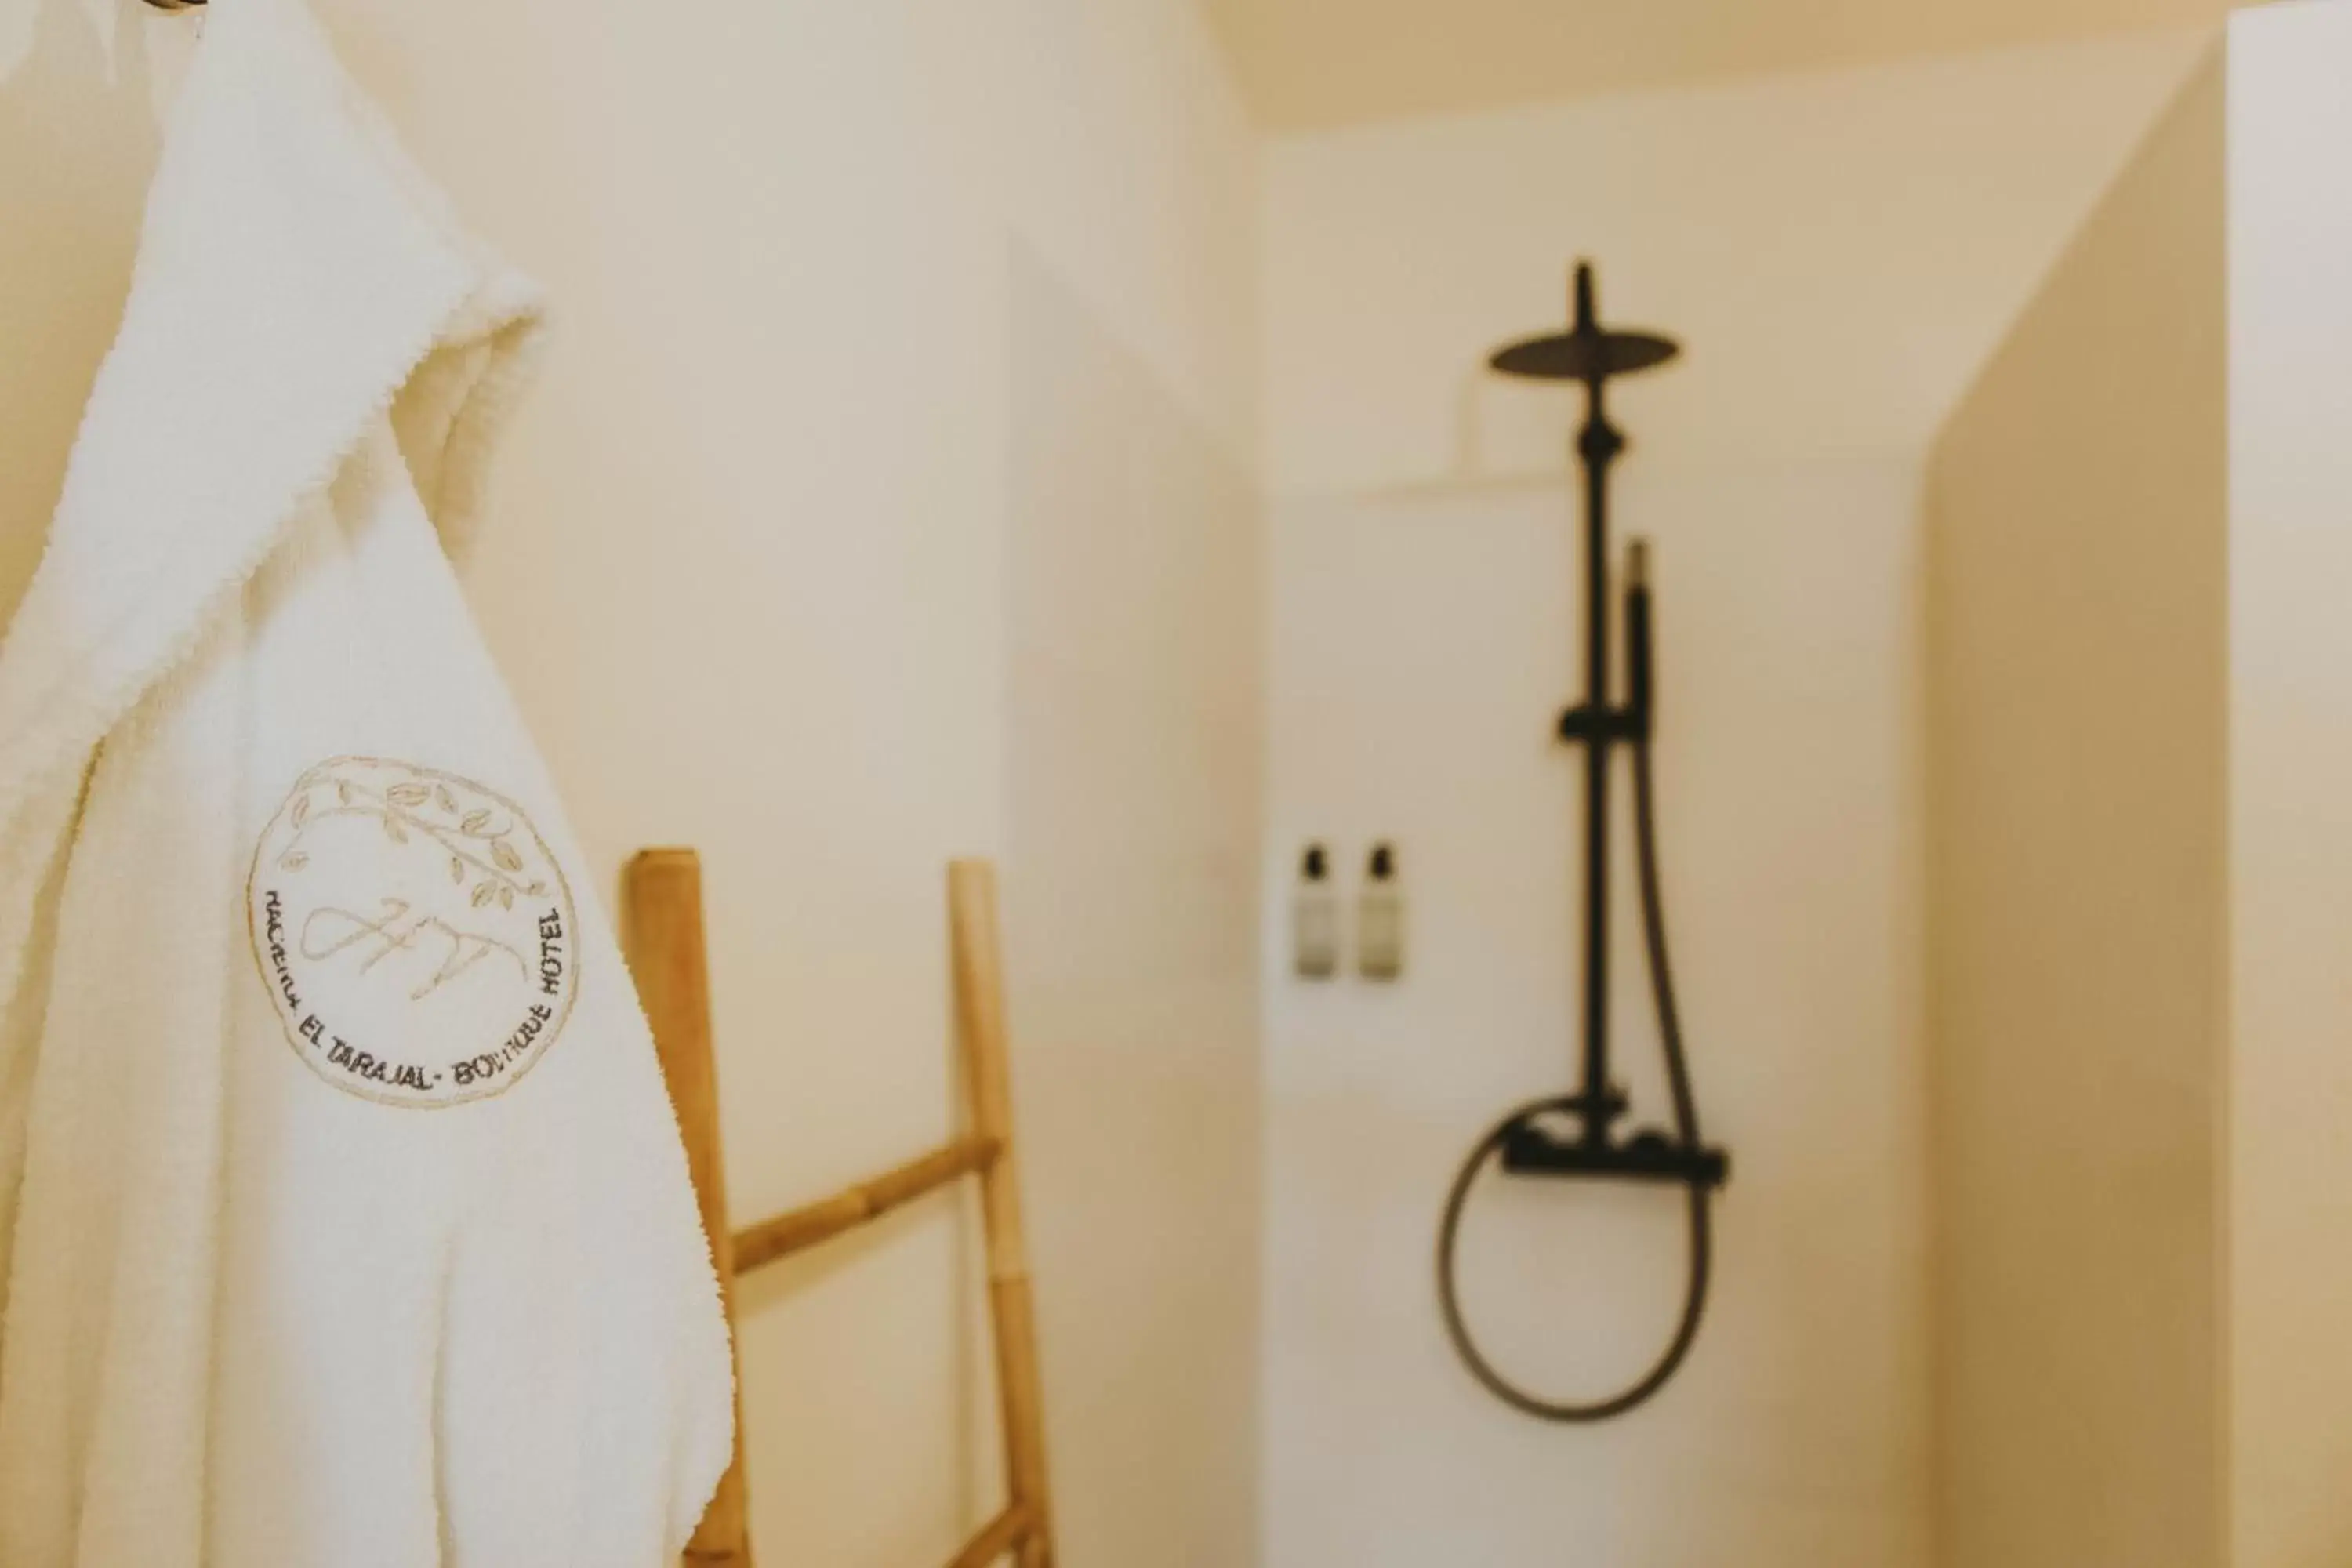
<point x="1528" y="1150"/>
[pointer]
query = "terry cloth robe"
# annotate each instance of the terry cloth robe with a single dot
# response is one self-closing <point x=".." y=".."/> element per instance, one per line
<point x="344" y="1214"/>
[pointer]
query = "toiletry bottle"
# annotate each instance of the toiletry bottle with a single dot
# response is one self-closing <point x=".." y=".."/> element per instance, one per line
<point x="1315" y="919"/>
<point x="1380" y="919"/>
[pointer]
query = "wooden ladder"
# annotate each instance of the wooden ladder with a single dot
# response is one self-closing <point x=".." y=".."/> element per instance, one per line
<point x="663" y="932"/>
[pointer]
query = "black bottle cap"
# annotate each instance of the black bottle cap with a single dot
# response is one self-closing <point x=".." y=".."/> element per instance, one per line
<point x="1383" y="862"/>
<point x="1316" y="865"/>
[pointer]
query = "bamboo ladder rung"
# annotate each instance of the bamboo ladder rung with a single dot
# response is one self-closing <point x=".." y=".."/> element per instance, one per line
<point x="802" y="1228"/>
<point x="1001" y="1535"/>
<point x="665" y="939"/>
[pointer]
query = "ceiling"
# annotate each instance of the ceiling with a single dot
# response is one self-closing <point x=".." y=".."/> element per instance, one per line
<point x="1307" y="64"/>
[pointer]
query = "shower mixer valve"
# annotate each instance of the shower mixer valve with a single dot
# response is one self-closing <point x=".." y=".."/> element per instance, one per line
<point x="1650" y="1155"/>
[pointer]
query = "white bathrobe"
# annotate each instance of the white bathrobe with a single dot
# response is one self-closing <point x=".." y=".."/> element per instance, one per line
<point x="343" y="1213"/>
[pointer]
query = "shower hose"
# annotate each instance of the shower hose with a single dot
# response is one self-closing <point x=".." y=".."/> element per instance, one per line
<point x="1662" y="986"/>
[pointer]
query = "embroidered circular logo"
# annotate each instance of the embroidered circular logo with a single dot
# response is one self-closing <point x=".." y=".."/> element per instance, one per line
<point x="413" y="930"/>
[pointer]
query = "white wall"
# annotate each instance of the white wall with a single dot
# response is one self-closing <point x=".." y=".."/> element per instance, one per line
<point x="2289" y="832"/>
<point x="2078" y="707"/>
<point x="757" y="583"/>
<point x="2143" y="747"/>
<point x="1839" y="252"/>
<point x="65" y="247"/>
<point x="1135" y="772"/>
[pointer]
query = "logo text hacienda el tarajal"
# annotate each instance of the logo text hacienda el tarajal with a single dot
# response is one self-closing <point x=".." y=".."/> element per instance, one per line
<point x="415" y="933"/>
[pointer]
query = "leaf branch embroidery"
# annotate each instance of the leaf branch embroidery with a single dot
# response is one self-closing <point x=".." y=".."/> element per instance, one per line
<point x="400" y="808"/>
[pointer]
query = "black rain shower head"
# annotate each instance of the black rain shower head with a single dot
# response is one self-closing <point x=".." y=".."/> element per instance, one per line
<point x="1585" y="352"/>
